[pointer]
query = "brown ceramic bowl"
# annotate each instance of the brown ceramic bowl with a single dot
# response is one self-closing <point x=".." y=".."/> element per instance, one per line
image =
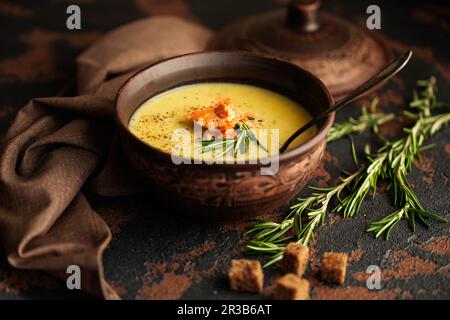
<point x="224" y="191"/>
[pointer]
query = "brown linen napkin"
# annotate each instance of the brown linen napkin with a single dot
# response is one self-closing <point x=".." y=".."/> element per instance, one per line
<point x="55" y="144"/>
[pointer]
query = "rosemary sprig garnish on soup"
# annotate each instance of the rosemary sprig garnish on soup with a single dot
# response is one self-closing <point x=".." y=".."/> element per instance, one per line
<point x="233" y="127"/>
<point x="391" y="162"/>
<point x="244" y="136"/>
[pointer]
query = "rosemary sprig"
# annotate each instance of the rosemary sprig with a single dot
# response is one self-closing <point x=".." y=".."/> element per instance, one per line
<point x="401" y="155"/>
<point x="269" y="237"/>
<point x="224" y="146"/>
<point x="370" y="119"/>
<point x="392" y="161"/>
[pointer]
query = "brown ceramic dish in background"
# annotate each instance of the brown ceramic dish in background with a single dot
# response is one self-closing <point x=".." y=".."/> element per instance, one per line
<point x="225" y="191"/>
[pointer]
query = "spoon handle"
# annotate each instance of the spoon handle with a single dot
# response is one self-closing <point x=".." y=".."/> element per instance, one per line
<point x="389" y="71"/>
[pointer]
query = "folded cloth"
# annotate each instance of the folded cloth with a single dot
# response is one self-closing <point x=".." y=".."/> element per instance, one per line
<point x="55" y="145"/>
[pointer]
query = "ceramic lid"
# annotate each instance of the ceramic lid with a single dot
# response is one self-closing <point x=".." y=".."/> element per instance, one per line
<point x="342" y="55"/>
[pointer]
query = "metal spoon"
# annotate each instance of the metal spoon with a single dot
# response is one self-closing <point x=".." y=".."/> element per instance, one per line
<point x="392" y="69"/>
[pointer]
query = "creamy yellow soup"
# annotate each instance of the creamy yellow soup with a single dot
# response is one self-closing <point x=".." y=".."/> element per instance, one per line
<point x="155" y="121"/>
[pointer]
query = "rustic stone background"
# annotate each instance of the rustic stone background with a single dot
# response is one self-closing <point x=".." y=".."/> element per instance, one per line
<point x="165" y="256"/>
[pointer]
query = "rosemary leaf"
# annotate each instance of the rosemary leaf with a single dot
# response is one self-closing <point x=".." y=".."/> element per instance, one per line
<point x="368" y="120"/>
<point x="222" y="147"/>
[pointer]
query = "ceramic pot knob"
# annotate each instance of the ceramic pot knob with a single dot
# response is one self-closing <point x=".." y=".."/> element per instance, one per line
<point x="302" y="15"/>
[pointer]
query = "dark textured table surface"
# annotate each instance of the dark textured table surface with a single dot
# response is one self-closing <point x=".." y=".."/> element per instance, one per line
<point x="166" y="256"/>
